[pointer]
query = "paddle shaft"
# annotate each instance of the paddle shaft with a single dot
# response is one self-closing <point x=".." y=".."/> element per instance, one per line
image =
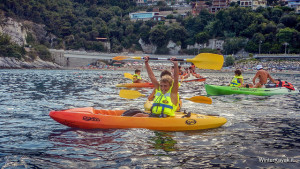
<point x="180" y="60"/>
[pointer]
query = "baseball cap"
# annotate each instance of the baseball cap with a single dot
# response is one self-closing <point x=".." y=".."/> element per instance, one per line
<point x="259" y="67"/>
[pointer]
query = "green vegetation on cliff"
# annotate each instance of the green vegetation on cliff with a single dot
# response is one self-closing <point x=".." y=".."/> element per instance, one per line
<point x="10" y="49"/>
<point x="77" y="24"/>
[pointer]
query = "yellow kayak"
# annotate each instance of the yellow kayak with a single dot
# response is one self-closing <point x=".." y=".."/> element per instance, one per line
<point x="90" y="118"/>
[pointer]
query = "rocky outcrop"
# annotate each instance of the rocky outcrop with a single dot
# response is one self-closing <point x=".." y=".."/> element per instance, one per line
<point x="14" y="29"/>
<point x="147" y="48"/>
<point x="19" y="31"/>
<point x="173" y="48"/>
<point x="13" y="63"/>
<point x="150" y="48"/>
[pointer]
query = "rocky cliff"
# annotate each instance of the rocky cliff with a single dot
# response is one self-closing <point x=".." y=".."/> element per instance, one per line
<point x="18" y="31"/>
<point x="13" y="63"/>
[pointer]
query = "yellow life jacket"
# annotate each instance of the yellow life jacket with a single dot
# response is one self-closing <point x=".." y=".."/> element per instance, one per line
<point x="163" y="103"/>
<point x="235" y="82"/>
<point x="136" y="77"/>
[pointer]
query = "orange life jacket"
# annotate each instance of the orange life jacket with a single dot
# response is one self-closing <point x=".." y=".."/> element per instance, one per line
<point x="285" y="84"/>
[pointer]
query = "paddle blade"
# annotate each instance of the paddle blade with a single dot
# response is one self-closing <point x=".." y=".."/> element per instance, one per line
<point x="130" y="94"/>
<point x="208" y="61"/>
<point x="120" y="57"/>
<point x="128" y="75"/>
<point x="200" y="99"/>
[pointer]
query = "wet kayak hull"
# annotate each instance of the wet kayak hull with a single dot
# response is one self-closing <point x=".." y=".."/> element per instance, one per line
<point x="90" y="118"/>
<point x="135" y="85"/>
<point x="195" y="80"/>
<point x="214" y="90"/>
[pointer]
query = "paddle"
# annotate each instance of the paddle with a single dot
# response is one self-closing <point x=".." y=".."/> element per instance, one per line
<point x="130" y="94"/>
<point x="133" y="94"/>
<point x="128" y="75"/>
<point x="201" y="61"/>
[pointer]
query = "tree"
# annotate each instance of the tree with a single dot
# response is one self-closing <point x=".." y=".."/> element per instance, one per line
<point x="229" y="60"/>
<point x="276" y="14"/>
<point x="289" y="20"/>
<point x="202" y="37"/>
<point x="43" y="52"/>
<point x="285" y="35"/>
<point x="176" y="33"/>
<point x="233" y="45"/>
<point x="158" y="35"/>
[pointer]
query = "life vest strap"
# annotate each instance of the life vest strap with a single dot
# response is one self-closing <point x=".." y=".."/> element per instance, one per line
<point x="163" y="108"/>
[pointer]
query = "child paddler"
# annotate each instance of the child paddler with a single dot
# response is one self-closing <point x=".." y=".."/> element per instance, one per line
<point x="237" y="80"/>
<point x="136" y="78"/>
<point x="149" y="102"/>
<point x="166" y="97"/>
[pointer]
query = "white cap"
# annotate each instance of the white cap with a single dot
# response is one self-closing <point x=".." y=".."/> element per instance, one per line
<point x="259" y="67"/>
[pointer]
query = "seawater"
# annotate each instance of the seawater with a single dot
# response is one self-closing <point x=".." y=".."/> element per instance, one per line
<point x="261" y="131"/>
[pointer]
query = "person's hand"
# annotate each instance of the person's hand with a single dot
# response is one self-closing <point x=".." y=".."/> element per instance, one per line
<point x="172" y="59"/>
<point x="146" y="58"/>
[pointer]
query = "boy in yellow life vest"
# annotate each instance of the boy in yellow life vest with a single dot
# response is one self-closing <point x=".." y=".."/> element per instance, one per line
<point x="136" y="78"/>
<point x="166" y="97"/>
<point x="237" y="81"/>
<point x="149" y="101"/>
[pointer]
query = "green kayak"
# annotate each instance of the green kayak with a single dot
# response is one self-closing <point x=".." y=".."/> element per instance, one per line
<point x="214" y="90"/>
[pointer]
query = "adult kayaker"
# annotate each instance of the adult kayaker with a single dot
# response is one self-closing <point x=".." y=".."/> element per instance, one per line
<point x="166" y="97"/>
<point x="237" y="80"/>
<point x="263" y="77"/>
<point x="136" y="78"/>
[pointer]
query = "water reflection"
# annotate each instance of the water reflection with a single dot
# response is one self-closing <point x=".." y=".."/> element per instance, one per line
<point x="164" y="141"/>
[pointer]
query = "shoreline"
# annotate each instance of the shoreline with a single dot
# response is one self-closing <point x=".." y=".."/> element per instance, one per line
<point x="198" y="71"/>
<point x="132" y="70"/>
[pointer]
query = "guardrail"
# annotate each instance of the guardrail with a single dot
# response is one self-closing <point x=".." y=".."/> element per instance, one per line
<point x="279" y="56"/>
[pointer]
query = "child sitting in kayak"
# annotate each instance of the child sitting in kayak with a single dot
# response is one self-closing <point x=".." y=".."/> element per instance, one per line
<point x="237" y="80"/>
<point x="136" y="78"/>
<point x="166" y="97"/>
<point x="149" y="102"/>
<point x="163" y="73"/>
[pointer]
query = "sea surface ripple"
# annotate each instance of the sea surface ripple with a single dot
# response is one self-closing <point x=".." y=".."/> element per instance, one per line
<point x="261" y="132"/>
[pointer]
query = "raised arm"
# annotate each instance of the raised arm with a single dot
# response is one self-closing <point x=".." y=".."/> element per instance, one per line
<point x="174" y="92"/>
<point x="150" y="73"/>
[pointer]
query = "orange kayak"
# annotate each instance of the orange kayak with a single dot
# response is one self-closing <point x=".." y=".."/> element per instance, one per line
<point x="138" y="85"/>
<point x="195" y="80"/>
<point x="90" y="118"/>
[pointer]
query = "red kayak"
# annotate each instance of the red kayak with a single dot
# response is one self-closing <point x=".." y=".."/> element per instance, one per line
<point x="195" y="80"/>
<point x="138" y="85"/>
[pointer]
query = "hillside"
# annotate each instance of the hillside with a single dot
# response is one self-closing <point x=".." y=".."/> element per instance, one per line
<point x="75" y="24"/>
